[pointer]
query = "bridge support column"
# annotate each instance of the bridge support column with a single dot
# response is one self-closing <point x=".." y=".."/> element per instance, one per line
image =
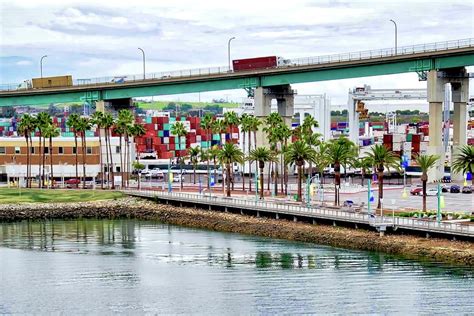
<point x="460" y="95"/>
<point x="263" y="103"/>
<point x="100" y="106"/>
<point x="435" y="92"/>
<point x="353" y="121"/>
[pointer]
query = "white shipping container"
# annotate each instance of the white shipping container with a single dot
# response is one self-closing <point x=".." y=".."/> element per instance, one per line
<point x="397" y="146"/>
<point x="401" y="129"/>
<point x="424" y="146"/>
<point x="407" y="146"/>
<point x="398" y="138"/>
<point x="194" y="145"/>
<point x="198" y="138"/>
<point x="412" y="130"/>
<point x="235" y="135"/>
<point x="166" y="140"/>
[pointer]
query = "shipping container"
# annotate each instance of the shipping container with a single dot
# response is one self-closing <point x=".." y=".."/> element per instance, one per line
<point x="254" y="63"/>
<point x="52" y="82"/>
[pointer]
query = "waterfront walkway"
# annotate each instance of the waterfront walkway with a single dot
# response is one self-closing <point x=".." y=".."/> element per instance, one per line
<point x="313" y="214"/>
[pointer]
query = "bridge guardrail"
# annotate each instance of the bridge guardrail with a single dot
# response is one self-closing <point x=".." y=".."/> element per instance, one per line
<point x="305" y="61"/>
<point x="409" y="223"/>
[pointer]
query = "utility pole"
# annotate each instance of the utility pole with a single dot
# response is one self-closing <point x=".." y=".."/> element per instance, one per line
<point x="396" y="35"/>
<point x="41" y="65"/>
<point x="228" y="51"/>
<point x="143" y="55"/>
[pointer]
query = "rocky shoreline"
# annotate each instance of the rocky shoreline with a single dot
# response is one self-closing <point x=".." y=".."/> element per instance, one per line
<point x="439" y="250"/>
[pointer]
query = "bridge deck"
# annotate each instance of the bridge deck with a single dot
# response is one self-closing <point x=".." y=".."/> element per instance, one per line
<point x="302" y="212"/>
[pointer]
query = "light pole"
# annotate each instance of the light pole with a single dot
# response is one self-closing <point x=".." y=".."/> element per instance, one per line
<point x="396" y="35"/>
<point x="143" y="55"/>
<point x="41" y="65"/>
<point x="228" y="50"/>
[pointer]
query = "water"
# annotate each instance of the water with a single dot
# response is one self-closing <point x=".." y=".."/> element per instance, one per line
<point x="128" y="266"/>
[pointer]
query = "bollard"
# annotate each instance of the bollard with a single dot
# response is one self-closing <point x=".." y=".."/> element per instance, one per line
<point x="277" y="216"/>
<point x="295" y="219"/>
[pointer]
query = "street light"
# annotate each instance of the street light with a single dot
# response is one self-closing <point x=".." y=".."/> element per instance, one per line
<point x="143" y="55"/>
<point x="395" y="24"/>
<point x="228" y="50"/>
<point x="41" y="65"/>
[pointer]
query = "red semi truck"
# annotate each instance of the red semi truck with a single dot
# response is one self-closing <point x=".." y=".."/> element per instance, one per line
<point x="259" y="63"/>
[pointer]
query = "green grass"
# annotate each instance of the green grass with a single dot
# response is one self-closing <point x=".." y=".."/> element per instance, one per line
<point x="159" y="105"/>
<point x="10" y="196"/>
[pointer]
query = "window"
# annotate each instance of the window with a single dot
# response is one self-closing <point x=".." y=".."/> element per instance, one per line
<point x="2" y="150"/>
<point x="46" y="150"/>
<point x="89" y="150"/>
<point x="117" y="149"/>
<point x="32" y="150"/>
<point x="61" y="150"/>
<point x="74" y="150"/>
<point x="17" y="150"/>
<point x="117" y="169"/>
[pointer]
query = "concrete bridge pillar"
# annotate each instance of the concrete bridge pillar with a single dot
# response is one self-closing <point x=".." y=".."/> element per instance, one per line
<point x="263" y="103"/>
<point x="460" y="96"/>
<point x="100" y="106"/>
<point x="435" y="92"/>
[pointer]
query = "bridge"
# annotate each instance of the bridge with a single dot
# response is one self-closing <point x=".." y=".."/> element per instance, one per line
<point x="437" y="63"/>
<point x="312" y="214"/>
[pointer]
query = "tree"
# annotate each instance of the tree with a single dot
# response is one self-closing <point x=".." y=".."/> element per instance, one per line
<point x="25" y="128"/>
<point x="194" y="153"/>
<point x="206" y="124"/>
<point x="219" y="127"/>
<point x="272" y="123"/>
<point x="107" y="123"/>
<point x="137" y="130"/>
<point x="228" y="155"/>
<point x="245" y="128"/>
<point x="213" y="154"/>
<point x="43" y="121"/>
<point x="179" y="131"/>
<point x="298" y="153"/>
<point x="231" y="120"/>
<point x="283" y="134"/>
<point x="51" y="132"/>
<point x="339" y="151"/>
<point x="97" y="119"/>
<point x="426" y="162"/>
<point x="72" y="123"/>
<point x="464" y="161"/>
<point x="124" y="122"/>
<point x="380" y="158"/>
<point x="83" y="125"/>
<point x="364" y="165"/>
<point x="262" y="155"/>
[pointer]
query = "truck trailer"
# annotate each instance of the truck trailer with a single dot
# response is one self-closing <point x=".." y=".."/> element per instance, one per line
<point x="259" y="63"/>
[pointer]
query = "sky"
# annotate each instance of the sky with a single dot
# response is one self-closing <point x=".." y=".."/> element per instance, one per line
<point x="89" y="39"/>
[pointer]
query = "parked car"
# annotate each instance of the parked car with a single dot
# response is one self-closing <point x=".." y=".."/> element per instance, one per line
<point x="455" y="189"/>
<point x="348" y="203"/>
<point x="416" y="191"/>
<point x="72" y="182"/>
<point x="445" y="188"/>
<point x="431" y="191"/>
<point x="467" y="189"/>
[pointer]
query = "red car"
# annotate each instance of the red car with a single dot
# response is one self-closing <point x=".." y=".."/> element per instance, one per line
<point x="416" y="191"/>
<point x="72" y="182"/>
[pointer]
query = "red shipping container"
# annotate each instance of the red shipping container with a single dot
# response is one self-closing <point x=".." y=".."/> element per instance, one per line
<point x="254" y="63"/>
<point x="416" y="138"/>
<point x="388" y="139"/>
<point x="171" y="146"/>
<point x="154" y="120"/>
<point x="415" y="147"/>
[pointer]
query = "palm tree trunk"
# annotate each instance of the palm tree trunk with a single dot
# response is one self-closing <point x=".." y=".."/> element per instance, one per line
<point x="39" y="161"/>
<point x="208" y="171"/>
<point x="194" y="171"/>
<point x="44" y="161"/>
<point x="84" y="159"/>
<point x="380" y="175"/>
<point x="243" y="163"/>
<point x="112" y="177"/>
<point x="77" y="168"/>
<point x="121" y="160"/>
<point x="424" y="195"/>
<point x="261" y="182"/>
<point x="337" y="182"/>
<point x="228" y="179"/>
<point x="270" y="170"/>
<point x="300" y="177"/>
<point x="101" y="162"/>
<point x="285" y="171"/>
<point x="27" y="159"/>
<point x="275" y="178"/>
<point x="51" y="161"/>
<point x="107" y="158"/>
<point x="249" y="134"/>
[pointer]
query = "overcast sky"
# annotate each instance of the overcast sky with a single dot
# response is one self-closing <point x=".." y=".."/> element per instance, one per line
<point x="100" y="38"/>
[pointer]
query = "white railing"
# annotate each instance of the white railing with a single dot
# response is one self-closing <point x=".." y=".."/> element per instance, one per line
<point x="298" y="210"/>
<point x="298" y="62"/>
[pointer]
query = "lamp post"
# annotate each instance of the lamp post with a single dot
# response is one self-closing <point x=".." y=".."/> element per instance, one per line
<point x="143" y="55"/>
<point x="396" y="35"/>
<point x="41" y="65"/>
<point x="228" y="50"/>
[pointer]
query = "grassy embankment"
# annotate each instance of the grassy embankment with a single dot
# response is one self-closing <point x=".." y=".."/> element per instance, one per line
<point x="13" y="196"/>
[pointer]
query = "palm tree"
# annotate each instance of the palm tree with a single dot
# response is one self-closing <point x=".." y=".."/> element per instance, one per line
<point x="380" y="158"/>
<point x="299" y="153"/>
<point x="245" y="128"/>
<point x="72" y="122"/>
<point x="253" y="124"/>
<point x="364" y="165"/>
<point x="313" y="139"/>
<point x="107" y="123"/>
<point x="219" y="127"/>
<point x="228" y="155"/>
<point x="322" y="159"/>
<point x="25" y="128"/>
<point x="194" y="153"/>
<point x="83" y="125"/>
<point x="339" y="151"/>
<point x="464" y="161"/>
<point x="308" y="123"/>
<point x="262" y="155"/>
<point x="272" y="122"/>
<point x="50" y="132"/>
<point x="179" y="131"/>
<point x="124" y="121"/>
<point x="206" y="124"/>
<point x="43" y="120"/>
<point x="426" y="162"/>
<point x="137" y="130"/>
<point x="96" y="120"/>
<point x="213" y="154"/>
<point x="231" y="119"/>
<point x="283" y="134"/>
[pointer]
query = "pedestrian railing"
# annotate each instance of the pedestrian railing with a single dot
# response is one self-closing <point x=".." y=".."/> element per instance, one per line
<point x="298" y="62"/>
<point x="313" y="211"/>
